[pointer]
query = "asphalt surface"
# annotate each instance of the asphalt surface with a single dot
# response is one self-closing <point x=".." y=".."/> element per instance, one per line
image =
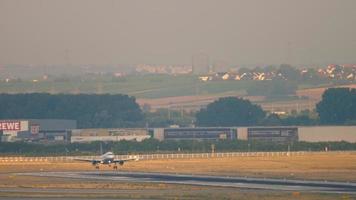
<point x="220" y="181"/>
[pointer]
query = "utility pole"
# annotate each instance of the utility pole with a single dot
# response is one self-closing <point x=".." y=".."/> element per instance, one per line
<point x="212" y="148"/>
<point x="169" y="111"/>
<point x="101" y="148"/>
<point x="288" y="153"/>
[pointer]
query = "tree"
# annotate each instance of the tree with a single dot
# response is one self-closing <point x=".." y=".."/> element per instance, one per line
<point x="300" y="120"/>
<point x="272" y="120"/>
<point x="338" y="105"/>
<point x="164" y="118"/>
<point x="311" y="74"/>
<point x="270" y="69"/>
<point x="289" y="72"/>
<point x="230" y="111"/>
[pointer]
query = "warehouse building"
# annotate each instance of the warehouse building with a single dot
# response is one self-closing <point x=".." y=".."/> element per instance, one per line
<point x="200" y="133"/>
<point x="114" y="135"/>
<point x="37" y="130"/>
<point x="11" y="128"/>
<point x="266" y="134"/>
<point x="301" y="133"/>
<point x="269" y="134"/>
<point x="55" y="130"/>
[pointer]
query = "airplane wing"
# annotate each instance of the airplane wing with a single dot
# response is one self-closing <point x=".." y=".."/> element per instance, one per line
<point x="93" y="161"/>
<point x="121" y="161"/>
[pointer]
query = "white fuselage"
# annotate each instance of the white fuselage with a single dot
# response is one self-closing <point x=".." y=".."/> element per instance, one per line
<point x="107" y="158"/>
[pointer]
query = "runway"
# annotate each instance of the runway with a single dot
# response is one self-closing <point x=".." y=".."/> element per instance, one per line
<point x="218" y="181"/>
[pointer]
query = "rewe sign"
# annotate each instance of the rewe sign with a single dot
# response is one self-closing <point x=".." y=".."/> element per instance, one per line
<point x="10" y="125"/>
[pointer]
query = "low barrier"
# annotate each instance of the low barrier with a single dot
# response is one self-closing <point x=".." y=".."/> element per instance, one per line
<point x="167" y="156"/>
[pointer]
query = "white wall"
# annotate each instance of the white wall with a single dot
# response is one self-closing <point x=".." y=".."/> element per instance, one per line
<point x="327" y="133"/>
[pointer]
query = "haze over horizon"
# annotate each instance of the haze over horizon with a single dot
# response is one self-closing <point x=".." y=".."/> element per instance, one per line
<point x="45" y="32"/>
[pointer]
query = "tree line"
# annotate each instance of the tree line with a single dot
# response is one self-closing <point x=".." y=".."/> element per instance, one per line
<point x="90" y="110"/>
<point x="337" y="107"/>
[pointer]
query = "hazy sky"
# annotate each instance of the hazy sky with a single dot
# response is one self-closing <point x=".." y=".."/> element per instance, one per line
<point x="171" y="31"/>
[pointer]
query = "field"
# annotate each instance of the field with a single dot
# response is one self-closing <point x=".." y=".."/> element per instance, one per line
<point x="209" y="92"/>
<point x="322" y="166"/>
<point x="316" y="93"/>
<point x="140" y="86"/>
<point x="165" y="91"/>
<point x="148" y="86"/>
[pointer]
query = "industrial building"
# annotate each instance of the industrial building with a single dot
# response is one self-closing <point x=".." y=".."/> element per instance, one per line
<point x="301" y="133"/>
<point x="114" y="135"/>
<point x="54" y="130"/>
<point x="266" y="134"/>
<point x="11" y="128"/>
<point x="39" y="130"/>
<point x="200" y="133"/>
<point x="278" y="134"/>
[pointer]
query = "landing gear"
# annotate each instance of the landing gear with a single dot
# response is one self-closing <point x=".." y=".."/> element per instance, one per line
<point x="96" y="166"/>
<point x="115" y="167"/>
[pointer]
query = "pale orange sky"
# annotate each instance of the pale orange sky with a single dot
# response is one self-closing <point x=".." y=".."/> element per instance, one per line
<point x="171" y="31"/>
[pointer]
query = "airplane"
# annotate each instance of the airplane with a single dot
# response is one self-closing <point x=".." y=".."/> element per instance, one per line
<point x="107" y="159"/>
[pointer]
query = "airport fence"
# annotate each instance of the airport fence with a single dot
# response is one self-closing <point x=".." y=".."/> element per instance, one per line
<point x="4" y="159"/>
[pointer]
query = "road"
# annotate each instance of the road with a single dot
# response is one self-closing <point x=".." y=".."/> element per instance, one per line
<point x="220" y="181"/>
